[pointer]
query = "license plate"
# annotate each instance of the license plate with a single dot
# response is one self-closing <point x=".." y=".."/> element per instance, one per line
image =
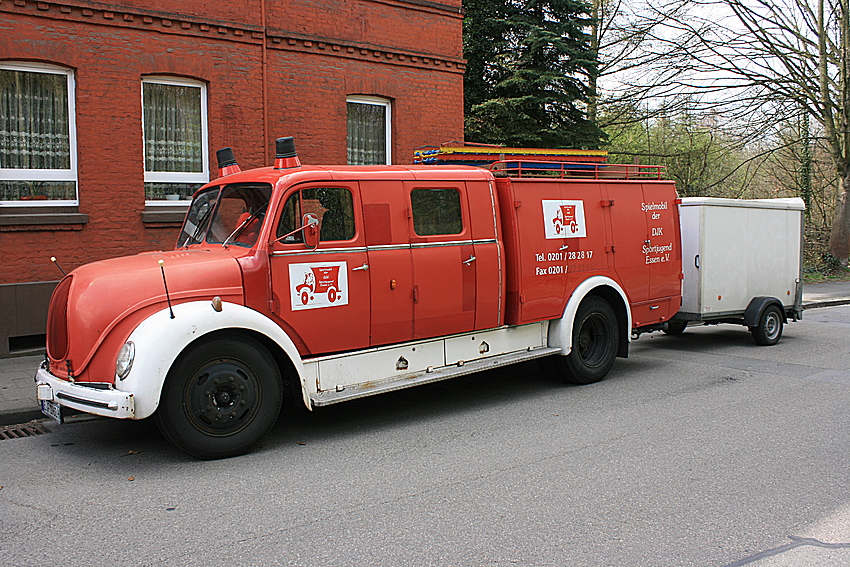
<point x="53" y="410"/>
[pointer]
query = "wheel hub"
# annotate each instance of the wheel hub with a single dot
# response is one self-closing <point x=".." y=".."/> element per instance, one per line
<point x="591" y="340"/>
<point x="222" y="398"/>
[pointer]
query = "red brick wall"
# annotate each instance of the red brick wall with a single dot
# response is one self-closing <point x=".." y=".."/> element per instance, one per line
<point x="399" y="25"/>
<point x="311" y="63"/>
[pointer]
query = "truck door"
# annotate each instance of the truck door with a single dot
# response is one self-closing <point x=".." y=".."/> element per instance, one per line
<point x="644" y="244"/>
<point x="444" y="263"/>
<point x="664" y="254"/>
<point x="629" y="236"/>
<point x="322" y="295"/>
<point x="390" y="267"/>
<point x="489" y="257"/>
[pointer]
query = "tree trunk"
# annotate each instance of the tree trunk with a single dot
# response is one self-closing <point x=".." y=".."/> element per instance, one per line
<point x="593" y="75"/>
<point x="839" y="238"/>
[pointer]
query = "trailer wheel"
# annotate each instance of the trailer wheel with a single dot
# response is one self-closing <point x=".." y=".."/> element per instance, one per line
<point x="769" y="328"/>
<point x="594" y="345"/>
<point x="675" y="327"/>
<point x="220" y="398"/>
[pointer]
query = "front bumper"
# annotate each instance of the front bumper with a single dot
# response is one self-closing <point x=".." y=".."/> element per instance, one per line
<point x="107" y="402"/>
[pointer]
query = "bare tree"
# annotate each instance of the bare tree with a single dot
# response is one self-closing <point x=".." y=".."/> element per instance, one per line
<point x="621" y="32"/>
<point x="759" y="62"/>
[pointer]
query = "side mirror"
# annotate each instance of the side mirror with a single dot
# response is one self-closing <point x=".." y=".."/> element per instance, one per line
<point x="310" y="222"/>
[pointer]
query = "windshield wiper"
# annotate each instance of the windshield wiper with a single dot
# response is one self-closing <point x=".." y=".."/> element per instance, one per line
<point x="200" y="228"/>
<point x="244" y="223"/>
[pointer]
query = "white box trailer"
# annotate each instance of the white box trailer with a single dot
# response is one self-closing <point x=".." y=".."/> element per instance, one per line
<point x="742" y="263"/>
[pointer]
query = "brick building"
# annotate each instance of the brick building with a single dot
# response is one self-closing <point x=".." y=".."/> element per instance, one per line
<point x="110" y="114"/>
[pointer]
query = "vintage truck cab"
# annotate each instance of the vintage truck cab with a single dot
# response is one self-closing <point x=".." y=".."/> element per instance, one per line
<point x="338" y="282"/>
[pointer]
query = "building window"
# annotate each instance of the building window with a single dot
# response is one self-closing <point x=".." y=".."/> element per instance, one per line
<point x="369" y="127"/>
<point x="174" y="124"/>
<point x="38" y="146"/>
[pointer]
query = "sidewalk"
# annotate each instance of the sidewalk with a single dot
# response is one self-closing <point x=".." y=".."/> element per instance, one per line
<point x="17" y="388"/>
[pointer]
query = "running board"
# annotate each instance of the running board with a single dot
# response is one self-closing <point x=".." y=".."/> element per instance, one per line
<point x="426" y="377"/>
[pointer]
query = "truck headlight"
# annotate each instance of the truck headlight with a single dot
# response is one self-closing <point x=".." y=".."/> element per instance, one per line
<point x="124" y="362"/>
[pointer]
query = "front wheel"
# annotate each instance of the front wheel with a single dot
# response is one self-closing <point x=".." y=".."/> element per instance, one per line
<point x="220" y="398"/>
<point x="769" y="328"/>
<point x="594" y="345"/>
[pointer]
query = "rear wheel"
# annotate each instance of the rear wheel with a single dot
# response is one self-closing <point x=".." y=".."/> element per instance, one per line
<point x="769" y="329"/>
<point x="675" y="327"/>
<point x="594" y="345"/>
<point x="220" y="398"/>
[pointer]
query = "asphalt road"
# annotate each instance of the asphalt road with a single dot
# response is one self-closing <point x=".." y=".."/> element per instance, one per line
<point x="702" y="449"/>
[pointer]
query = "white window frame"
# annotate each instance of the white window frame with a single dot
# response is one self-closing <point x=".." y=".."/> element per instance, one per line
<point x="387" y="104"/>
<point x="178" y="177"/>
<point x="70" y="174"/>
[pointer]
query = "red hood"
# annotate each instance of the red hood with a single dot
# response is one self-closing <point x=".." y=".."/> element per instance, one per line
<point x="111" y="297"/>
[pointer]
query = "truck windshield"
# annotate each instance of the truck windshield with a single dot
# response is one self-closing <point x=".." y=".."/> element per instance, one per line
<point x="232" y="214"/>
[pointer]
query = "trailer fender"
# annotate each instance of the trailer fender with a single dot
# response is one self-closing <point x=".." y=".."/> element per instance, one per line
<point x="757" y="305"/>
<point x="561" y="330"/>
<point x="160" y="339"/>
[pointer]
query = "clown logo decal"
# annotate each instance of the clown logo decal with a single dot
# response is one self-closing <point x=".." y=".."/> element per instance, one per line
<point x="564" y="219"/>
<point x="318" y="285"/>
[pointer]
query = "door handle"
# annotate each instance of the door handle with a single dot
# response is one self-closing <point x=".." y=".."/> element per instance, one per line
<point x="471" y="260"/>
<point x="363" y="268"/>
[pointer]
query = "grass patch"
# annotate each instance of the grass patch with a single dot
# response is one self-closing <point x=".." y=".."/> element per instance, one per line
<point x="829" y="269"/>
<point x="811" y="276"/>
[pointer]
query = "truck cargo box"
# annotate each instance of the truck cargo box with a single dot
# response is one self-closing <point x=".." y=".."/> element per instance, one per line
<point x="735" y="250"/>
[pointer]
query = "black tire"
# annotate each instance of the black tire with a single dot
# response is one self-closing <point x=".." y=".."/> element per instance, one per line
<point x="220" y="398"/>
<point x="594" y="345"/>
<point x="675" y="327"/>
<point x="769" y="329"/>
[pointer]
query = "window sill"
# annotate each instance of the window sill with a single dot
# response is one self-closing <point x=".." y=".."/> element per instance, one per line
<point x="165" y="214"/>
<point x="40" y="218"/>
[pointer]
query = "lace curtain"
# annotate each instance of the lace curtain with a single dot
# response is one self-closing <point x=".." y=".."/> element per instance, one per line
<point x="34" y="121"/>
<point x="367" y="134"/>
<point x="172" y="115"/>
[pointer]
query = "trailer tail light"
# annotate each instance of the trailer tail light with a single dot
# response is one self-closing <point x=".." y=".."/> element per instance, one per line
<point x="57" y="321"/>
<point x="285" y="154"/>
<point x="226" y="162"/>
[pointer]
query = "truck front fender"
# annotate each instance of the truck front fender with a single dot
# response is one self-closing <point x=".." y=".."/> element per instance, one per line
<point x="561" y="330"/>
<point x="160" y="339"/>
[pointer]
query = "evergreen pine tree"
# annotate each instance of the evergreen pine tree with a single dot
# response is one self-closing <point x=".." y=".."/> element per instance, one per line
<point x="527" y="63"/>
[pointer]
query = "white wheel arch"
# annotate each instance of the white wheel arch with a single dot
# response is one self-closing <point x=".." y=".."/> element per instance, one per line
<point x="561" y="330"/>
<point x="159" y="340"/>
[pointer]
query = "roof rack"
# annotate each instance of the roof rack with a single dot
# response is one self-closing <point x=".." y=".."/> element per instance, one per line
<point x="576" y="170"/>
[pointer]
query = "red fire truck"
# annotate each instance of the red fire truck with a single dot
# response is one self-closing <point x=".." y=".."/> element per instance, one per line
<point x="338" y="282"/>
